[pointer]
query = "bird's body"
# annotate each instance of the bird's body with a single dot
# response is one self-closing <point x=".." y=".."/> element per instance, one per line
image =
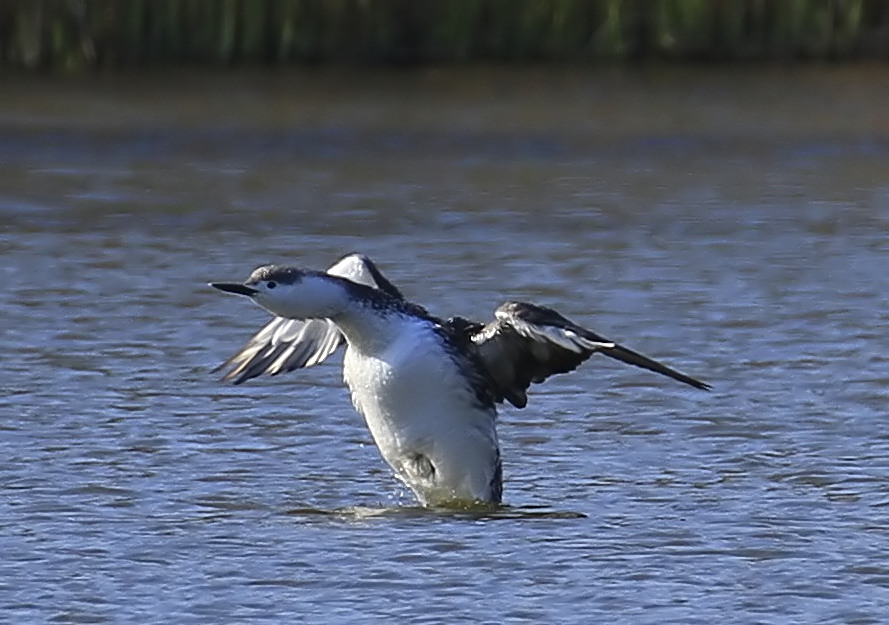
<point x="407" y="390"/>
<point x="427" y="388"/>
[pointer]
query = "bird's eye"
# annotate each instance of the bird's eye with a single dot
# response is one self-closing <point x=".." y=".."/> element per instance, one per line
<point x="271" y="284"/>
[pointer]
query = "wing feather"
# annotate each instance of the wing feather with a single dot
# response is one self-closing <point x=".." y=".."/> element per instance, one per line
<point x="528" y="343"/>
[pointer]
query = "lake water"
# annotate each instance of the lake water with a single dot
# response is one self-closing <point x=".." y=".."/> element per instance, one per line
<point x="732" y="223"/>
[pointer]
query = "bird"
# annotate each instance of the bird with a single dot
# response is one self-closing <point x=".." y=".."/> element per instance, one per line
<point x="428" y="388"/>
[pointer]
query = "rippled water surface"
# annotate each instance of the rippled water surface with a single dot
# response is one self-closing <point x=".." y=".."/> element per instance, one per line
<point x="733" y="223"/>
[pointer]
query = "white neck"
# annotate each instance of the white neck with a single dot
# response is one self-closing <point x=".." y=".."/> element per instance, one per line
<point x="321" y="296"/>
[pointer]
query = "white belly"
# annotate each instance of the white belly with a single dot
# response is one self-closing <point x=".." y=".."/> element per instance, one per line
<point x="425" y="420"/>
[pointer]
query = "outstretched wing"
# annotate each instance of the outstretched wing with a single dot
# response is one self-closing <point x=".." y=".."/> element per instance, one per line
<point x="528" y="343"/>
<point x="286" y="344"/>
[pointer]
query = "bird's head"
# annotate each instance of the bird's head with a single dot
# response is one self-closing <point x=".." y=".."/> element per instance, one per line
<point x="290" y="292"/>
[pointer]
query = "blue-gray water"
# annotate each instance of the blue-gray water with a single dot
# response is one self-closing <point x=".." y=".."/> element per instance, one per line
<point x="733" y="224"/>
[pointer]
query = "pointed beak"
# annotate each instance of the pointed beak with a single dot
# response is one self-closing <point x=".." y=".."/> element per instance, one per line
<point x="234" y="287"/>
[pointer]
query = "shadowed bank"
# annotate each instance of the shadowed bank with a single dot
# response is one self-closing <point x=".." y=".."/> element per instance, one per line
<point x="71" y="36"/>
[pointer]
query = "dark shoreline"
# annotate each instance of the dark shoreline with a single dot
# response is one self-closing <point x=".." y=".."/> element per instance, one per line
<point x="58" y="36"/>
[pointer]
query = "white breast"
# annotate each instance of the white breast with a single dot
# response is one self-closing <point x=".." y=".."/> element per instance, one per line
<point x="423" y="415"/>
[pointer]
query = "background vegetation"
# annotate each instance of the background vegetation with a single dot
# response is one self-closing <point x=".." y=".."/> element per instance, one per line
<point x="79" y="34"/>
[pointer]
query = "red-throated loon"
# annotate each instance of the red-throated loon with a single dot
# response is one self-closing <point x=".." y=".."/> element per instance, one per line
<point x="427" y="387"/>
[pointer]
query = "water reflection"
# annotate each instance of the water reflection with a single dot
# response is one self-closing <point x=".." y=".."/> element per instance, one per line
<point x="411" y="513"/>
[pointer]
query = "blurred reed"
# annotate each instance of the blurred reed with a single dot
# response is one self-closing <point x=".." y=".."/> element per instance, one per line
<point x="71" y="35"/>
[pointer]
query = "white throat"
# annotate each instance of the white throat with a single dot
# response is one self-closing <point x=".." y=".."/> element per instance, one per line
<point x="320" y="296"/>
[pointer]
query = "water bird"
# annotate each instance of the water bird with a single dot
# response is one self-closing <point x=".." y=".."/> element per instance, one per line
<point x="427" y="387"/>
